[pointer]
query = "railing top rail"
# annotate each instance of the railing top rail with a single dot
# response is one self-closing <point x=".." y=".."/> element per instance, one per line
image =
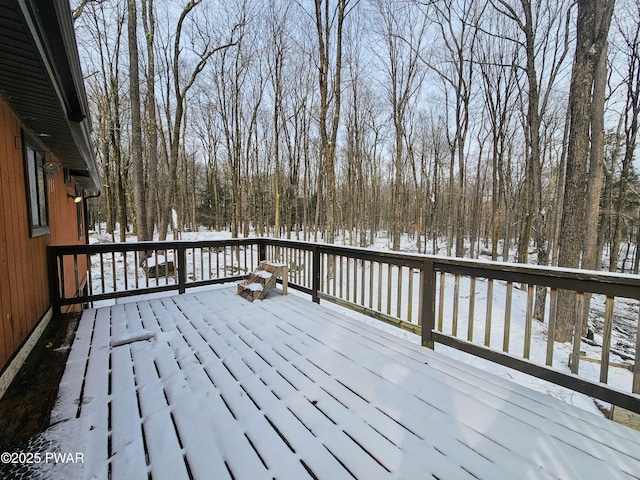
<point x="593" y="281"/>
<point x="585" y="281"/>
<point x="145" y="246"/>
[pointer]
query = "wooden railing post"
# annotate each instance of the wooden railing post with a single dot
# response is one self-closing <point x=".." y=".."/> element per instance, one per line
<point x="315" y="287"/>
<point x="182" y="268"/>
<point x="54" y="280"/>
<point x="427" y="306"/>
<point x="262" y="251"/>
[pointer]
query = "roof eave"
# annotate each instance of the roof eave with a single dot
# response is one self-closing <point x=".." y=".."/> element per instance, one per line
<point x="51" y="27"/>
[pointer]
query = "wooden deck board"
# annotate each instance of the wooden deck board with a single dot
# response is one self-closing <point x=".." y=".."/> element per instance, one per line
<point x="358" y="398"/>
<point x="494" y="391"/>
<point x="94" y="399"/>
<point x="284" y="388"/>
<point x="165" y="452"/>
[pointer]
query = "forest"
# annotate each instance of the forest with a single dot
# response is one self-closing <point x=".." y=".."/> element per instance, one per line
<point x="499" y="128"/>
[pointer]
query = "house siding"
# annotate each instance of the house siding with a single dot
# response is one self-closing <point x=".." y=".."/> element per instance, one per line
<point x="24" y="290"/>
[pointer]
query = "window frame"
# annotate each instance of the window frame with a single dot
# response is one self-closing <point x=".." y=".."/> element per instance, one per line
<point x="36" y="188"/>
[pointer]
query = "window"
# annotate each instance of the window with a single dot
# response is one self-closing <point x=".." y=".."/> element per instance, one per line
<point x="36" y="191"/>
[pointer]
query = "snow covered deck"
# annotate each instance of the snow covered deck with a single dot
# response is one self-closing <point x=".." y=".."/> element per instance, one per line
<point x="208" y="385"/>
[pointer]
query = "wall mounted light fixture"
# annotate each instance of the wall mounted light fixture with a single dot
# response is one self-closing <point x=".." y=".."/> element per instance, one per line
<point x="76" y="199"/>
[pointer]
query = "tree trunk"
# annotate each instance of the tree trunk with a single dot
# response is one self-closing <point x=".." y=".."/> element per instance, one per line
<point x="148" y="18"/>
<point x="594" y="18"/>
<point x="330" y="93"/>
<point x="137" y="160"/>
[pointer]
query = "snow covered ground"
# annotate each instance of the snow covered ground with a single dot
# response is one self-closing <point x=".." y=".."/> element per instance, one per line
<point x="625" y="314"/>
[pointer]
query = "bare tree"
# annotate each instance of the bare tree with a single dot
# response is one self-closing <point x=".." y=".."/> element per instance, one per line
<point x="104" y="23"/>
<point x="497" y="60"/>
<point x="544" y="28"/>
<point x="459" y="29"/>
<point x="151" y="143"/>
<point x="329" y="27"/>
<point x="631" y="44"/>
<point x="179" y="87"/>
<point x="403" y="30"/>
<point x="594" y="19"/>
<point x="137" y="160"/>
<point x="276" y="55"/>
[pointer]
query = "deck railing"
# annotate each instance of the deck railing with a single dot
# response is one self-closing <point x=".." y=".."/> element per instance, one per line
<point x="472" y="300"/>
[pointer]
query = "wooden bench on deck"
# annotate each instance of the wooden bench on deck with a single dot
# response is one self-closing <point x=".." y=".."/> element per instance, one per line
<point x="263" y="279"/>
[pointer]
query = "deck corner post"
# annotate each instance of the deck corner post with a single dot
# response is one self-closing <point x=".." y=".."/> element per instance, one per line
<point x="262" y="250"/>
<point x="427" y="306"/>
<point x="182" y="268"/>
<point x="315" y="288"/>
<point x="54" y="280"/>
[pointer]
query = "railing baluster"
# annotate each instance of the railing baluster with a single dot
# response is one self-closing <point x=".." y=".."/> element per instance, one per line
<point x="102" y="273"/>
<point x="489" y="313"/>
<point x="371" y="270"/>
<point x="348" y="286"/>
<point x="355" y="281"/>
<point x="577" y="333"/>
<point x="551" y="331"/>
<point x="195" y="275"/>
<point x="341" y="275"/>
<point x="113" y="267"/>
<point x="507" y="318"/>
<point x="472" y="308"/>
<point x="441" y="302"/>
<point x="606" y="340"/>
<point x="335" y="276"/>
<point x="212" y="251"/>
<point x="362" y="283"/>
<point x="410" y="299"/>
<point x="124" y="267"/>
<point x="456" y="301"/>
<point x="75" y="274"/>
<point x="315" y="286"/>
<point x="181" y="266"/>
<point x="635" y="388"/>
<point x="389" y="285"/>
<point x="63" y="289"/>
<point x="379" y="286"/>
<point x="90" y="274"/>
<point x="399" y="293"/>
<point x="156" y="267"/>
<point x="325" y="271"/>
<point x="528" y="322"/>
<point x="146" y="268"/>
<point x="169" y="254"/>
<point x="136" y="280"/>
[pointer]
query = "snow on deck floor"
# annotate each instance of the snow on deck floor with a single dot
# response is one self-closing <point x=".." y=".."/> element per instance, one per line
<point x="210" y="386"/>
